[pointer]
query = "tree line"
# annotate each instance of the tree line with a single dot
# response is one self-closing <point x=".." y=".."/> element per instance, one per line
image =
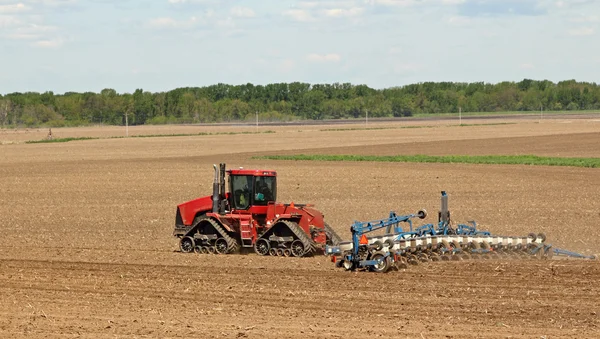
<point x="287" y="101"/>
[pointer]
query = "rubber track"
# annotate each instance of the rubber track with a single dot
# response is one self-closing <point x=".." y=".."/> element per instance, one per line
<point x="331" y="234"/>
<point x="232" y="244"/>
<point x="306" y="241"/>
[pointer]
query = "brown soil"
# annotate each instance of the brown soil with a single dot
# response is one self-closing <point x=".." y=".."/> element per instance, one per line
<point x="87" y="249"/>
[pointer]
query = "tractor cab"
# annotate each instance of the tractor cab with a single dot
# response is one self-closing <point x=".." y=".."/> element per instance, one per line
<point x="252" y="190"/>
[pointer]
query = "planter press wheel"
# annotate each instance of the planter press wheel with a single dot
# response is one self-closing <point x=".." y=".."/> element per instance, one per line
<point x="389" y="243"/>
<point x="221" y="246"/>
<point x="383" y="266"/>
<point x="401" y="263"/>
<point x="348" y="265"/>
<point x="262" y="247"/>
<point x="297" y="248"/>
<point x="186" y="244"/>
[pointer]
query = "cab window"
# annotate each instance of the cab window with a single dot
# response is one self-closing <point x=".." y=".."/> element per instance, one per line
<point x="264" y="190"/>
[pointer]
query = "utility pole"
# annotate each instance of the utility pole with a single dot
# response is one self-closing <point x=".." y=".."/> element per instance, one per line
<point x="460" y="115"/>
<point x="366" y="117"/>
<point x="126" y="125"/>
<point x="257" y="121"/>
<point x="541" y="112"/>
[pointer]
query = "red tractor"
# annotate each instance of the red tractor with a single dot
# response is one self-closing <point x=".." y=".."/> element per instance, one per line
<point x="248" y="217"/>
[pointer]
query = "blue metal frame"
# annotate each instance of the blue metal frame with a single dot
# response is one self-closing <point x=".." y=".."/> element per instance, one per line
<point x="359" y="228"/>
<point x="559" y="251"/>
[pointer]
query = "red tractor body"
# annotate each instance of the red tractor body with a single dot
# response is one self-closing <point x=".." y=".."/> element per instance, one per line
<point x="248" y="216"/>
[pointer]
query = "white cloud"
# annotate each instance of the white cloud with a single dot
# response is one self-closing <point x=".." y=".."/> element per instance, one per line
<point x="308" y="11"/>
<point x="30" y="31"/>
<point x="27" y="24"/>
<point x="195" y="2"/>
<point x="583" y="31"/>
<point x="168" y="22"/>
<point x="453" y="2"/>
<point x="324" y="57"/>
<point x="50" y="43"/>
<point x="566" y="4"/>
<point x="242" y="12"/>
<point x="171" y="23"/>
<point x="309" y="4"/>
<point x="14" y="8"/>
<point x="8" y="21"/>
<point x="299" y="15"/>
<point x="55" y="2"/>
<point x="399" y="3"/>
<point x="342" y="12"/>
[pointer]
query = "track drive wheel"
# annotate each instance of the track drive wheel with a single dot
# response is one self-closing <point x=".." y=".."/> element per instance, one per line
<point x="221" y="246"/>
<point x="262" y="247"/>
<point x="297" y="248"/>
<point x="186" y="244"/>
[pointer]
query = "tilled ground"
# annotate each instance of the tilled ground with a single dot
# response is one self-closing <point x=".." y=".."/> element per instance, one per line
<point x="87" y="249"/>
<point x="211" y="297"/>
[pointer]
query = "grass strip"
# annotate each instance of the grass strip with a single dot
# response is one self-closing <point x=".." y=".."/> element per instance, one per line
<point x="410" y="127"/>
<point x="47" y="141"/>
<point x="533" y="160"/>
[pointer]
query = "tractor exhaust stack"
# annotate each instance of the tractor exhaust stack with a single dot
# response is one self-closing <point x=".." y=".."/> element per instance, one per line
<point x="215" y="195"/>
<point x="222" y="200"/>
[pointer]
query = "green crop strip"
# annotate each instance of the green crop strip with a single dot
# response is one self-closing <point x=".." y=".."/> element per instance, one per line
<point x="410" y="127"/>
<point x="465" y="159"/>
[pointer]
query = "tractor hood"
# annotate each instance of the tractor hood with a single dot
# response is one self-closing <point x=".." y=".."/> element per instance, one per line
<point x="188" y="210"/>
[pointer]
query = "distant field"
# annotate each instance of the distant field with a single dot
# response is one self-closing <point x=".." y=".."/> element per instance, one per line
<point x="88" y="250"/>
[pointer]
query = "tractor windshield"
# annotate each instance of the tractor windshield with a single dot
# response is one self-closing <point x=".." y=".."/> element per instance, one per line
<point x="242" y="188"/>
<point x="264" y="190"/>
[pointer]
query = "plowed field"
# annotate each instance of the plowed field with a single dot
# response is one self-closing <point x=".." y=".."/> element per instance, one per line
<point x="86" y="247"/>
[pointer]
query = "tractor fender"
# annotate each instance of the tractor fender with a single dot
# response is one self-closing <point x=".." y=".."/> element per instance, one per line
<point x="282" y="217"/>
<point x="217" y="218"/>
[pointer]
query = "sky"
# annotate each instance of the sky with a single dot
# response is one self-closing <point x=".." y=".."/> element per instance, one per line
<point x="159" y="45"/>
